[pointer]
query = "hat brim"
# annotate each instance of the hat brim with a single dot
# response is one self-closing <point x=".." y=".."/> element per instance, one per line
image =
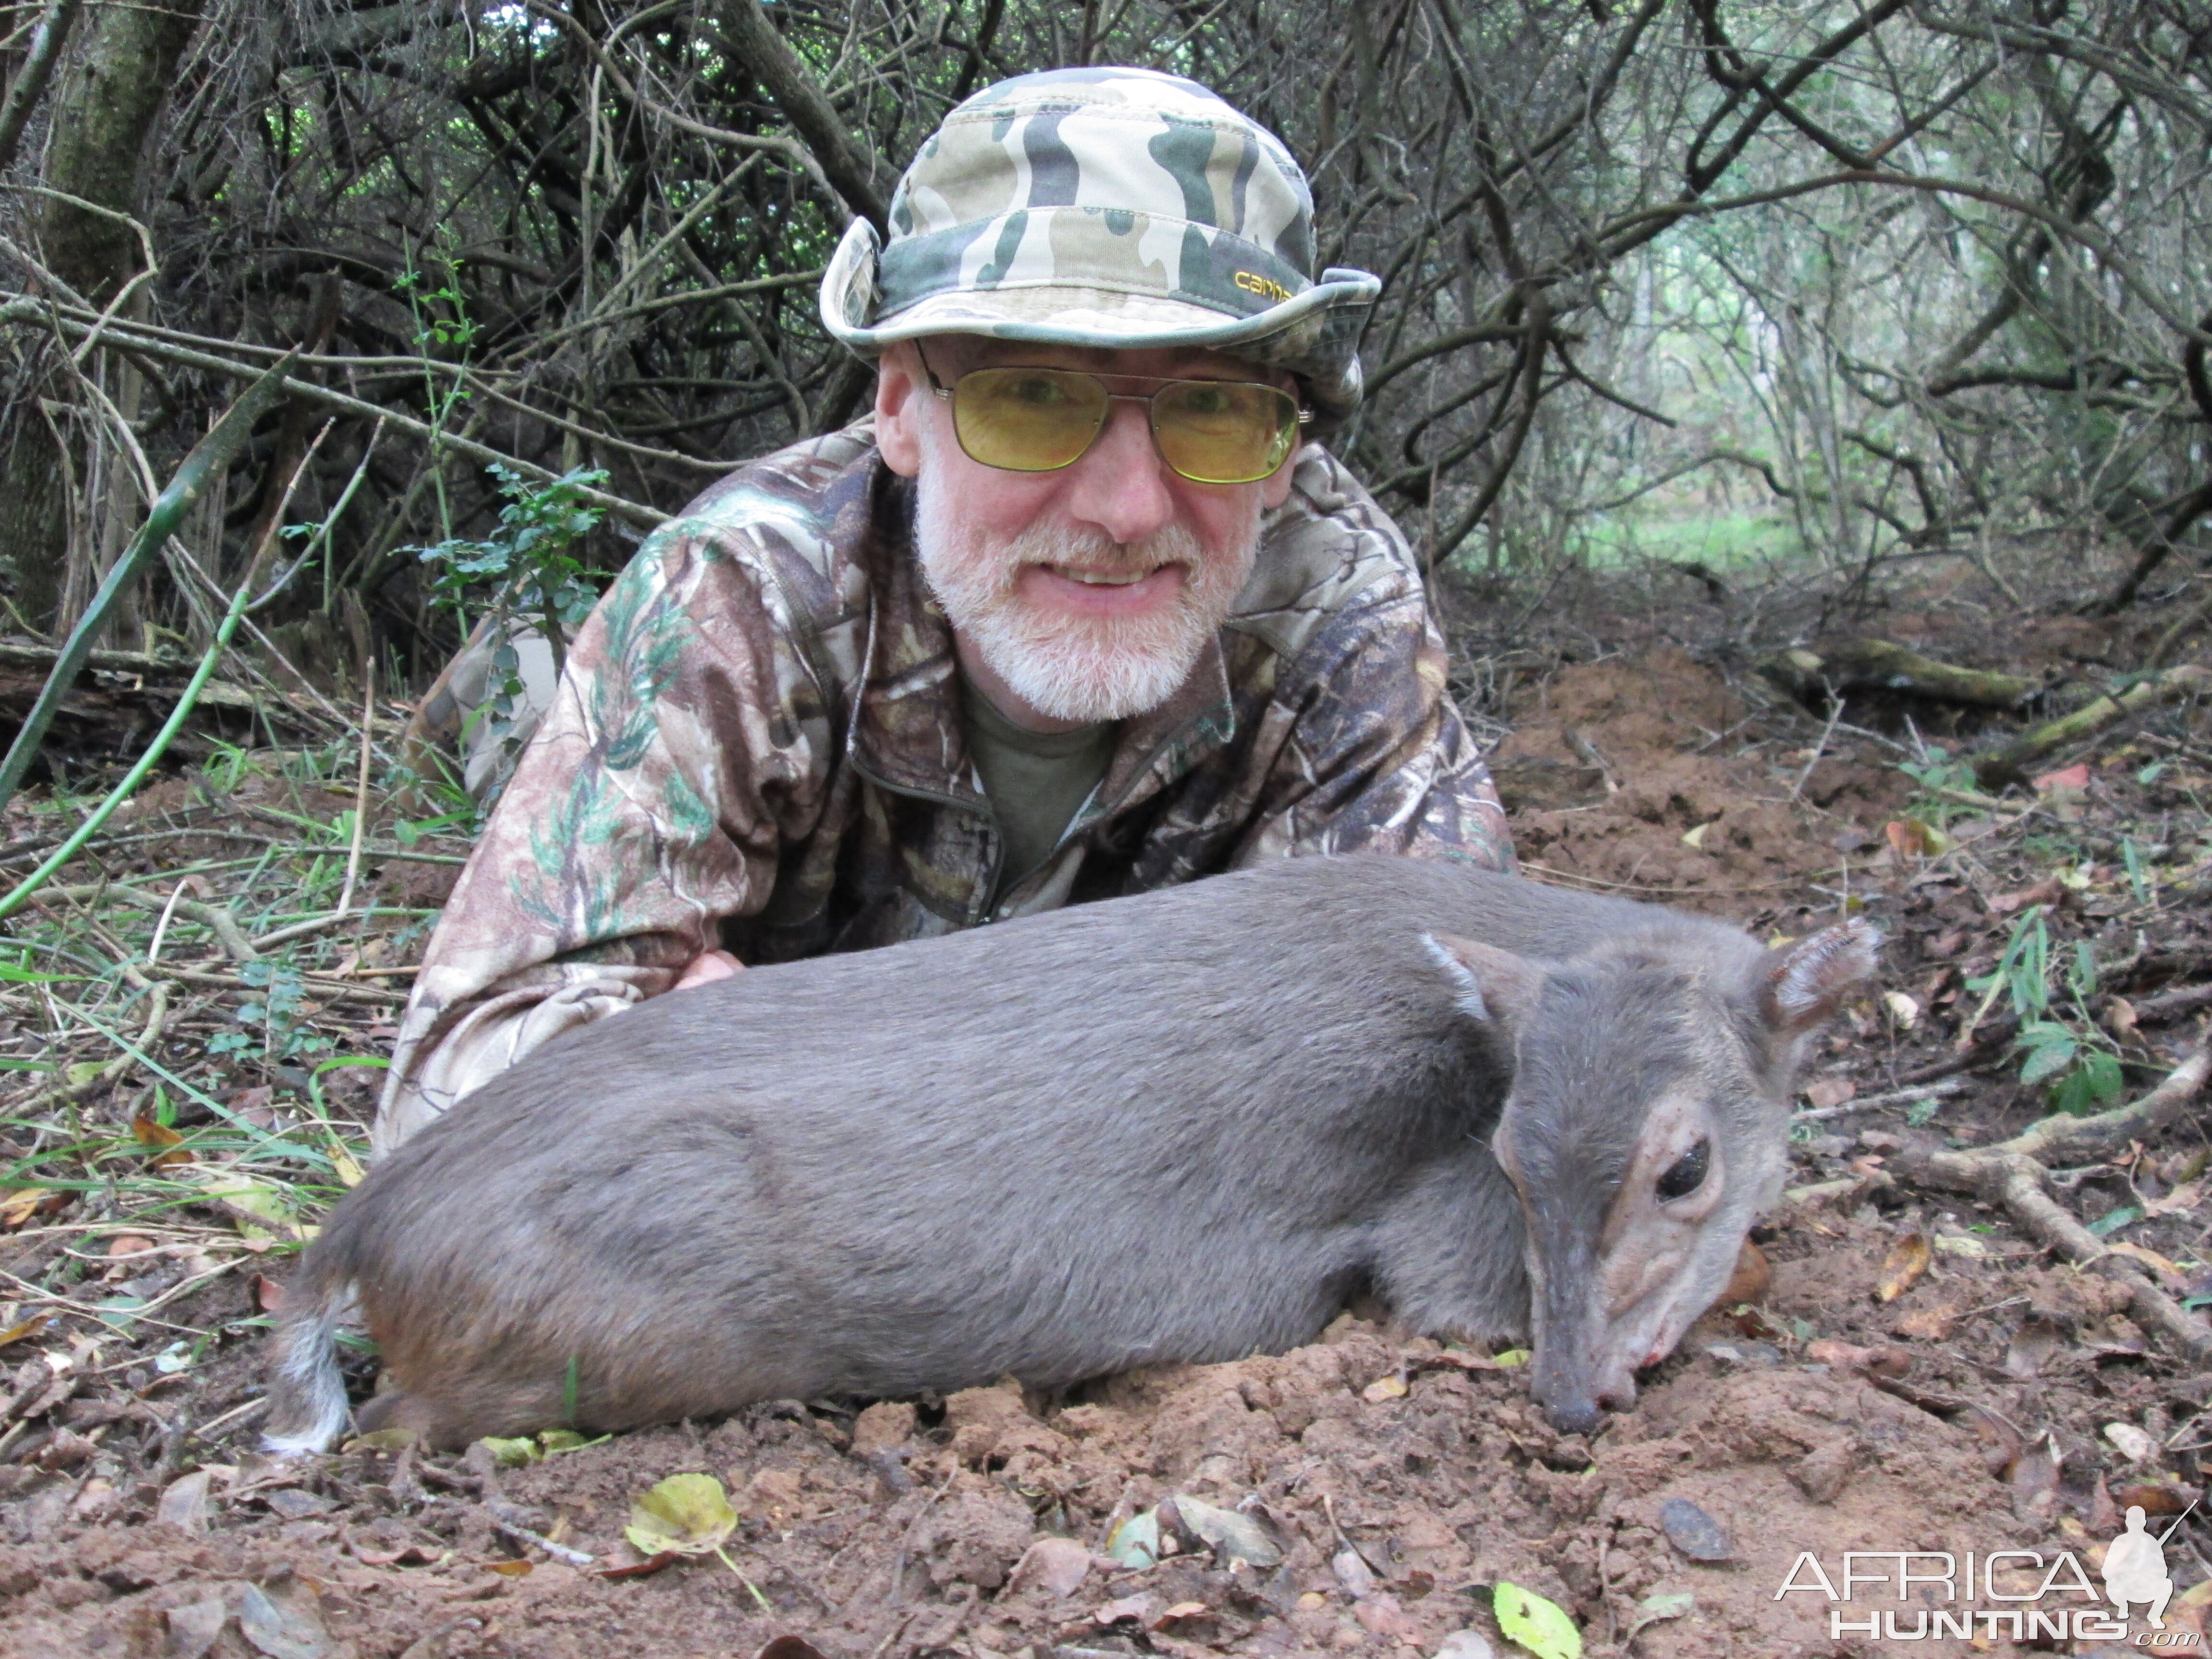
<point x="1298" y="330"/>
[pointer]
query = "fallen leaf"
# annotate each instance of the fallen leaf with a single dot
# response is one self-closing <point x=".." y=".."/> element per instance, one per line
<point x="2049" y="890"/>
<point x="2131" y="1442"/>
<point x="283" y="1622"/>
<point x="2034" y="1345"/>
<point x="184" y="1502"/>
<point x="2069" y="777"/>
<point x="1693" y="1532"/>
<point x="1382" y="1389"/>
<point x="509" y="1568"/>
<point x="1136" y="1541"/>
<point x="685" y="1515"/>
<point x="2164" y="1267"/>
<point x="381" y="1440"/>
<point x="17" y="1208"/>
<point x="1824" y="1093"/>
<point x="268" y="1293"/>
<point x="1060" y="1564"/>
<point x="128" y="1245"/>
<point x="1537" y="1625"/>
<point x="1750" y="1279"/>
<point x="1232" y="1536"/>
<point x="1901" y="1268"/>
<point x="650" y="1564"/>
<point x="513" y="1453"/>
<point x="1963" y="1244"/>
<point x="24" y="1327"/>
<point x="1652" y="1608"/>
<point x="160" y="1139"/>
<point x="2000" y="1441"/>
<point x="1902" y="1009"/>
<point x="1909" y="838"/>
<point x="1311" y="1600"/>
<point x="2155" y="1497"/>
<point x="1512" y="1358"/>
<point x="2183" y="1198"/>
<point x="2034" y="1479"/>
<point x="193" y="1627"/>
<point x="1128" y="1609"/>
<point x="1182" y="1610"/>
<point x="1931" y="1324"/>
<point x="2120" y="1018"/>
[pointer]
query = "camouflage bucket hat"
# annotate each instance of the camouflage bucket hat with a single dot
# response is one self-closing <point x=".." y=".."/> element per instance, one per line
<point x="1105" y="207"/>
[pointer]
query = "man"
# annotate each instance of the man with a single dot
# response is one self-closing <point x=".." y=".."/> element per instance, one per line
<point x="1078" y="613"/>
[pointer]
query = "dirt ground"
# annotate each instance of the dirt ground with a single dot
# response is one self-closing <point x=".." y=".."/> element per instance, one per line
<point x="1392" y="1484"/>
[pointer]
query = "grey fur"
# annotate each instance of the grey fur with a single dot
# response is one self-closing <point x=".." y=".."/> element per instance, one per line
<point x="1185" y="1126"/>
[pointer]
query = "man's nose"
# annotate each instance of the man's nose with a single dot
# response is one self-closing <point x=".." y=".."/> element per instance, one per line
<point x="1121" y="484"/>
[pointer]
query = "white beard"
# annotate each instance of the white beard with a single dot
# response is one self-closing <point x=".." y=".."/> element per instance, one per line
<point x="1076" y="668"/>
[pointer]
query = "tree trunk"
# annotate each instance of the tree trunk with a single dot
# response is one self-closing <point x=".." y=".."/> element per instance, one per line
<point x="106" y="102"/>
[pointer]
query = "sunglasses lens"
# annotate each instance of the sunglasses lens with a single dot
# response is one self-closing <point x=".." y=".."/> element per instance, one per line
<point x="1027" y="420"/>
<point x="1223" y="431"/>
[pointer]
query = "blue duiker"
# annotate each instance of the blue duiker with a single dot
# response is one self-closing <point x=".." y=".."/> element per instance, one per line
<point x="1184" y="1126"/>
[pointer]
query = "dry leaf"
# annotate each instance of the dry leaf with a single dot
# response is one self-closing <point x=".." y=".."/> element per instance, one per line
<point x="1384" y="1388"/>
<point x="2034" y="1479"/>
<point x="1824" y="1092"/>
<point x="2166" y="1268"/>
<point x="1381" y="1615"/>
<point x="2069" y="777"/>
<point x="2032" y="1348"/>
<point x="509" y="1568"/>
<point x="685" y="1515"/>
<point x="1060" y="1564"/>
<point x="2049" y="890"/>
<point x="2131" y="1442"/>
<point x="17" y="1208"/>
<point x="184" y="1503"/>
<point x="2182" y="1198"/>
<point x="2120" y="1018"/>
<point x="1902" y="1009"/>
<point x="1931" y="1324"/>
<point x="1901" y="1269"/>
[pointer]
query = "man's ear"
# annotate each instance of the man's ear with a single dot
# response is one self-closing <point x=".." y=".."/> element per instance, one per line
<point x="900" y="394"/>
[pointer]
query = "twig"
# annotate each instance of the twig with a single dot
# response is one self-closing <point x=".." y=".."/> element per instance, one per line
<point x="2013" y="1174"/>
<point x="361" y="788"/>
<point x="1874" y="1102"/>
<point x="1835" y="714"/>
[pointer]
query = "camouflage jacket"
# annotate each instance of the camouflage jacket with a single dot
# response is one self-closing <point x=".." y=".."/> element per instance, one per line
<point x="756" y="745"/>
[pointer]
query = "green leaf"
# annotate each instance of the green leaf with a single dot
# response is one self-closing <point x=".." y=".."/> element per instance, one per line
<point x="1540" y="1626"/>
<point x="512" y="1454"/>
<point x="688" y="1514"/>
<point x="1652" y="1608"/>
<point x="2052" y="1057"/>
<point x="2103" y="1072"/>
<point x="2105" y="1225"/>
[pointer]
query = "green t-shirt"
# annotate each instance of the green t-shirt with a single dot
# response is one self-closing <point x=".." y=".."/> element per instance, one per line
<point x="1035" y="780"/>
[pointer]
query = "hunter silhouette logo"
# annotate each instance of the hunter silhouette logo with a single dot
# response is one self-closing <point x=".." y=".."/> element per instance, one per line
<point x="2134" y="1567"/>
<point x="2036" y="1596"/>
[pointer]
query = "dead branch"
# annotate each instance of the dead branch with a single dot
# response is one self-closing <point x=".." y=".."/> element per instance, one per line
<point x="2008" y="762"/>
<point x="2014" y="1174"/>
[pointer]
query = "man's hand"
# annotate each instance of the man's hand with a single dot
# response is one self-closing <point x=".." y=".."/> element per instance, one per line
<point x="706" y="969"/>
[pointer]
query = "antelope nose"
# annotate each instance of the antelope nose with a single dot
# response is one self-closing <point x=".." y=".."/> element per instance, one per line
<point x="1575" y="1416"/>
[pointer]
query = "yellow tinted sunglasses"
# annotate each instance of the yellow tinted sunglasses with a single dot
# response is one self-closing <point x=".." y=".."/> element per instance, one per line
<point x="1039" y="420"/>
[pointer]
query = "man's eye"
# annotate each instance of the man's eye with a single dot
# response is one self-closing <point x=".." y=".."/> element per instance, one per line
<point x="1037" y="391"/>
<point x="1687" y="1173"/>
<point x="1206" y="400"/>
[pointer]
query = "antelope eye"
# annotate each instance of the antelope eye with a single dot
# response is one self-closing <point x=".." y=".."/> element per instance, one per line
<point x="1687" y="1173"/>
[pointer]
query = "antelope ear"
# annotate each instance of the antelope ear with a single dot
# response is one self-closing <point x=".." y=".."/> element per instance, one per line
<point x="1493" y="986"/>
<point x="1802" y="986"/>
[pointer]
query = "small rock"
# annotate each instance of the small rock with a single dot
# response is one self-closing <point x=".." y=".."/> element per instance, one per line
<point x="1693" y="1532"/>
<point x="1824" y="1472"/>
<point x="1466" y="1644"/>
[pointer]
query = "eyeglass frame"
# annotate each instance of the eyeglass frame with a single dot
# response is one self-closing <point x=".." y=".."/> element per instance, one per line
<point x="1163" y="381"/>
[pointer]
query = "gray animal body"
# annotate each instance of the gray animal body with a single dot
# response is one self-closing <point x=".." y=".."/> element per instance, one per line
<point x="1184" y="1126"/>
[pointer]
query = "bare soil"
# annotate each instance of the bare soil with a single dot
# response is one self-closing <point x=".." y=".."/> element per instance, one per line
<point x="1400" y="1483"/>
